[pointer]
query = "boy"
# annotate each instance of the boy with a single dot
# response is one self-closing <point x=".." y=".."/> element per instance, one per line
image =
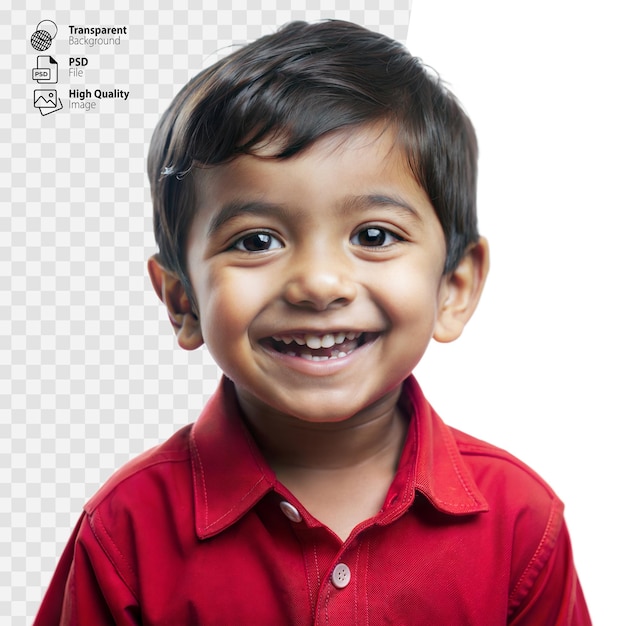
<point x="314" y="204"/>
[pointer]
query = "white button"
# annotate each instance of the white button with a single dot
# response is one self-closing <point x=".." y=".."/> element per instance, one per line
<point x="290" y="511"/>
<point x="341" y="575"/>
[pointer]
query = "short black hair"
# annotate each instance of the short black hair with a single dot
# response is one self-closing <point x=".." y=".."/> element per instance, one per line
<point x="295" y="86"/>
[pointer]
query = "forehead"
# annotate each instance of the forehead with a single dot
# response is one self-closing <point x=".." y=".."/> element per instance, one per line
<point x="336" y="168"/>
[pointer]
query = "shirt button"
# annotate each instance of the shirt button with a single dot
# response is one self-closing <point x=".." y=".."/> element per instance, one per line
<point x="341" y="575"/>
<point x="290" y="511"/>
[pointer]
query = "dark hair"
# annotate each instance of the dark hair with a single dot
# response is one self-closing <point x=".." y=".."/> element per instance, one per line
<point x="293" y="87"/>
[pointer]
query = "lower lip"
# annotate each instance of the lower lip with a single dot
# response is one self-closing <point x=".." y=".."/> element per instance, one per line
<point x="321" y="368"/>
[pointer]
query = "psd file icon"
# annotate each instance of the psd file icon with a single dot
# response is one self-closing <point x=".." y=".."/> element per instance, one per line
<point x="47" y="70"/>
<point x="46" y="101"/>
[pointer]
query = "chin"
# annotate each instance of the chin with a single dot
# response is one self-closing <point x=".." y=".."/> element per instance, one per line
<point x="318" y="407"/>
<point x="322" y="412"/>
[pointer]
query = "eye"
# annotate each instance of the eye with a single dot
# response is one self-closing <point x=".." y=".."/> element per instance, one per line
<point x="257" y="242"/>
<point x="374" y="236"/>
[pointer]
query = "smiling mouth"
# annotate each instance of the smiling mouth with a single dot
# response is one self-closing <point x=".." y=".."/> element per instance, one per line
<point x="319" y="347"/>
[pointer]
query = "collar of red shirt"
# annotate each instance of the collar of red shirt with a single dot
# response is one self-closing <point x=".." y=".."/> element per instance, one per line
<point x="230" y="475"/>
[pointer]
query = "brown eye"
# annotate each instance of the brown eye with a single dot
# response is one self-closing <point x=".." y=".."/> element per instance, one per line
<point x="373" y="237"/>
<point x="257" y="242"/>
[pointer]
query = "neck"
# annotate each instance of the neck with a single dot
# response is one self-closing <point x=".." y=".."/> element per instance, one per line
<point x="287" y="442"/>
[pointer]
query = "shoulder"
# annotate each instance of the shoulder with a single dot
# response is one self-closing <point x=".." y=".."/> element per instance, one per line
<point x="544" y="585"/>
<point x="153" y="469"/>
<point x="145" y="503"/>
<point x="525" y="515"/>
<point x="495" y="469"/>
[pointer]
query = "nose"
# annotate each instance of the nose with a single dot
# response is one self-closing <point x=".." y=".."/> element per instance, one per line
<point x="320" y="280"/>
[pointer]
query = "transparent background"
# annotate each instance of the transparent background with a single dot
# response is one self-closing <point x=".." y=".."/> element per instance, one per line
<point x="90" y="372"/>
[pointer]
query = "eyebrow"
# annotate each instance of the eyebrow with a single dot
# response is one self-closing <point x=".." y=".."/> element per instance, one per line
<point x="353" y="204"/>
<point x="374" y="200"/>
<point x="241" y="207"/>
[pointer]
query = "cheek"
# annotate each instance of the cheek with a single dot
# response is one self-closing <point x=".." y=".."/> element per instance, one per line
<point x="409" y="296"/>
<point x="228" y="300"/>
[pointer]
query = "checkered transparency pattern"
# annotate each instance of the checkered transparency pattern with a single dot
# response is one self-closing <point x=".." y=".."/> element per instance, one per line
<point x="91" y="374"/>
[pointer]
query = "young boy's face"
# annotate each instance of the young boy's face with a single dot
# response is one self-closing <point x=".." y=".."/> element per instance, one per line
<point x="318" y="278"/>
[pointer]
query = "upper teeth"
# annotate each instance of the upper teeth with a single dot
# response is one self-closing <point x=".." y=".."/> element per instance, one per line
<point x="315" y="342"/>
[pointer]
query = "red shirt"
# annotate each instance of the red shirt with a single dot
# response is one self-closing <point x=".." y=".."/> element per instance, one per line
<point x="199" y="531"/>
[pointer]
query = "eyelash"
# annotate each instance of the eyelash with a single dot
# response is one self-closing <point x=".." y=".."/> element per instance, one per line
<point x="369" y="232"/>
<point x="264" y="237"/>
<point x="271" y="239"/>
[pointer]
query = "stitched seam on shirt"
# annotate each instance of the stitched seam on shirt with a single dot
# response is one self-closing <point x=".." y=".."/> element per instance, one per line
<point x="221" y="517"/>
<point x="534" y="558"/>
<point x="106" y="492"/>
<point x="207" y="526"/>
<point x="326" y="605"/>
<point x="365" y="595"/>
<point x="451" y="450"/>
<point x="409" y="486"/>
<point x="196" y="453"/>
<point x="357" y="573"/>
<point x="92" y="524"/>
<point x="455" y="505"/>
<point x="308" y="576"/>
<point x="502" y="455"/>
<point x="356" y="591"/>
<point x="317" y="567"/>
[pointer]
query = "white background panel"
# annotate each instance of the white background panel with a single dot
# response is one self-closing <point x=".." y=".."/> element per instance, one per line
<point x="540" y="369"/>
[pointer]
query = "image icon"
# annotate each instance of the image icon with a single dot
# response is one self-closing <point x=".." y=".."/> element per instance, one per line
<point x="47" y="70"/>
<point x="46" y="101"/>
<point x="42" y="38"/>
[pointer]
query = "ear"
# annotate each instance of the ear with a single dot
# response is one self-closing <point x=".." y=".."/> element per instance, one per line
<point x="172" y="293"/>
<point x="460" y="292"/>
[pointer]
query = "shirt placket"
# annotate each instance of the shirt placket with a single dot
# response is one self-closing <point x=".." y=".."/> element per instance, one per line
<point x="336" y="572"/>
